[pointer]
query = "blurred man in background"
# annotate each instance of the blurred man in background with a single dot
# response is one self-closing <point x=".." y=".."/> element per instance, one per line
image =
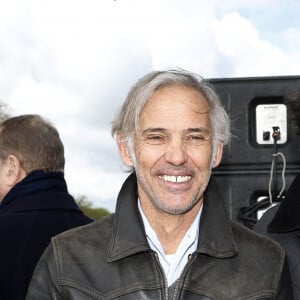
<point x="34" y="201"/>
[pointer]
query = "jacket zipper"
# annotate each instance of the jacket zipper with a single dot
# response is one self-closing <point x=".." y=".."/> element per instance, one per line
<point x="191" y="259"/>
<point x="163" y="275"/>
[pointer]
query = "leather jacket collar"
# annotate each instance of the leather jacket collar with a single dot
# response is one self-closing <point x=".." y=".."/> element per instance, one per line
<point x="129" y="237"/>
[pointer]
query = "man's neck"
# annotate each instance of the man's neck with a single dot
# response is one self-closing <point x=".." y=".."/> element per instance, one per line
<point x="170" y="229"/>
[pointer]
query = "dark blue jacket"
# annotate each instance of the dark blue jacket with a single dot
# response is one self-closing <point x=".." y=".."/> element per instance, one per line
<point x="33" y="211"/>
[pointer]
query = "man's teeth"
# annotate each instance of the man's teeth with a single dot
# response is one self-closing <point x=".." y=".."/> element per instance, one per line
<point x="175" y="178"/>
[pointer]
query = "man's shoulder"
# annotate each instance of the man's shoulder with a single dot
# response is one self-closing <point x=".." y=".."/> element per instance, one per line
<point x="259" y="245"/>
<point x="93" y="232"/>
<point x="81" y="249"/>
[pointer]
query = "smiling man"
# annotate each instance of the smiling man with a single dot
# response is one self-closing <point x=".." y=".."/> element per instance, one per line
<point x="171" y="237"/>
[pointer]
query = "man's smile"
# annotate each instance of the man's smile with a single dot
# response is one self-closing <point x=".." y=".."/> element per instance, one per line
<point x="175" y="179"/>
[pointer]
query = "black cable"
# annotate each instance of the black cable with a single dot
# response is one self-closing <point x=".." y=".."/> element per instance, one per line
<point x="248" y="214"/>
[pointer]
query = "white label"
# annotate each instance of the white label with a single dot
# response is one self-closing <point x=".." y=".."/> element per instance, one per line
<point x="268" y="118"/>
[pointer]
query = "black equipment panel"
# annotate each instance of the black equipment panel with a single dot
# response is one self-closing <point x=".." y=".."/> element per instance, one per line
<point x="244" y="172"/>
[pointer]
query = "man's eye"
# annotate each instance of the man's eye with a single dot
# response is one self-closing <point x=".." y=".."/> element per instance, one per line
<point x="196" y="137"/>
<point x="155" y="139"/>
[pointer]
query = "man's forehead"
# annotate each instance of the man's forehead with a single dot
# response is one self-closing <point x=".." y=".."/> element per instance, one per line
<point x="186" y="95"/>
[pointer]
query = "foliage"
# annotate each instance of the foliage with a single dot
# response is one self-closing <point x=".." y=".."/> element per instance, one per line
<point x="88" y="209"/>
<point x="3" y="114"/>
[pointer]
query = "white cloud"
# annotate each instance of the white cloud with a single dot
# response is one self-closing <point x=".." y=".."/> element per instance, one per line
<point x="43" y="97"/>
<point x="250" y="55"/>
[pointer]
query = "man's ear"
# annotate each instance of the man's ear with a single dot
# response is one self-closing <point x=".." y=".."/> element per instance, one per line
<point x="124" y="151"/>
<point x="13" y="170"/>
<point x="218" y="155"/>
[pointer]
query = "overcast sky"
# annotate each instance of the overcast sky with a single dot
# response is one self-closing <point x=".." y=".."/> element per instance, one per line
<point x="73" y="62"/>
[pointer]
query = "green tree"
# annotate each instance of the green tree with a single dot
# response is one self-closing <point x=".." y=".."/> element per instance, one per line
<point x="88" y="209"/>
<point x="3" y="114"/>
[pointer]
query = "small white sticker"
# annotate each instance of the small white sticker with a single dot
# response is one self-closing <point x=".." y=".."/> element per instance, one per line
<point x="271" y="118"/>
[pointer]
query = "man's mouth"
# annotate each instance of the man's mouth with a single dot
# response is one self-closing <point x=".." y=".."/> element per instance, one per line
<point x="175" y="179"/>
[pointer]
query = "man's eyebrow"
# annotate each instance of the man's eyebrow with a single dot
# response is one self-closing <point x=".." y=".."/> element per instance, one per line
<point x="153" y="129"/>
<point x="202" y="130"/>
<point x="198" y="129"/>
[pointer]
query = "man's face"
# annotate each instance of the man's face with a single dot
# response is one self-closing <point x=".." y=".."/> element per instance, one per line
<point x="173" y="152"/>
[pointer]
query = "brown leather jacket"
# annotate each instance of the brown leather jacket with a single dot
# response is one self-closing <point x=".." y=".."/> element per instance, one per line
<point x="111" y="259"/>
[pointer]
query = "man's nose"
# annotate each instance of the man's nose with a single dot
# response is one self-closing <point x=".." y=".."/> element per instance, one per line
<point x="176" y="152"/>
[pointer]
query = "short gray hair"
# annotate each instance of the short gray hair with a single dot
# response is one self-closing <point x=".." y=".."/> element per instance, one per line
<point x="126" y="121"/>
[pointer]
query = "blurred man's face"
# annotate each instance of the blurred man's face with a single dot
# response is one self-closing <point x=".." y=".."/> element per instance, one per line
<point x="173" y="153"/>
